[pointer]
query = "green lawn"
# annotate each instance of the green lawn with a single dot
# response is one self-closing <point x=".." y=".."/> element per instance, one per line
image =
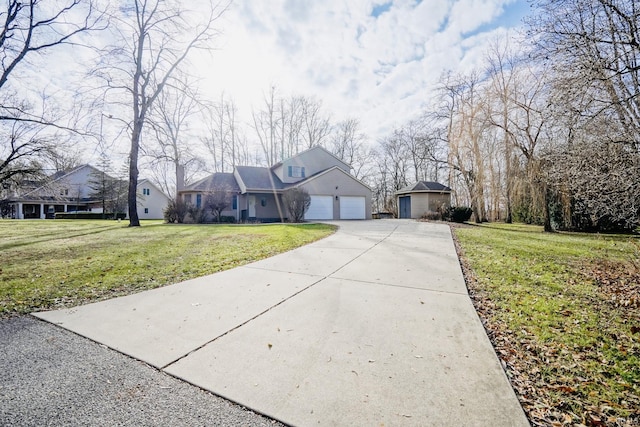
<point x="53" y="264"/>
<point x="563" y="312"/>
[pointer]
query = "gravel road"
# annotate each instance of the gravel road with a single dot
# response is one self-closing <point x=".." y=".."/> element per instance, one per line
<point x="52" y="377"/>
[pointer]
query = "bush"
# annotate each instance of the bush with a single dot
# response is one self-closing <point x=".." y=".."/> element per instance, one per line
<point x="227" y="219"/>
<point x="297" y="201"/>
<point x="175" y="212"/>
<point x="197" y="215"/>
<point x="432" y="216"/>
<point x="458" y="214"/>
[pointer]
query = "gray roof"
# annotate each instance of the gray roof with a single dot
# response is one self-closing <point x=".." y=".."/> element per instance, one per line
<point x="257" y="178"/>
<point x="218" y="180"/>
<point x="425" y="186"/>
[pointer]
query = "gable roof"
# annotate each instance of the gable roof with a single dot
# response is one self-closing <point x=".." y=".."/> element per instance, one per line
<point x="316" y="147"/>
<point x="257" y="178"/>
<point x="425" y="187"/>
<point x="56" y="177"/>
<point x="215" y="181"/>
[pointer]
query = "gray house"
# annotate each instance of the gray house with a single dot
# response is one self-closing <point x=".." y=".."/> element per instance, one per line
<point x="73" y="191"/>
<point x="421" y="198"/>
<point x="257" y="191"/>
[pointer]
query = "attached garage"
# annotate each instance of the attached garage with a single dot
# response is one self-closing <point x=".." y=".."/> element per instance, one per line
<point x="321" y="208"/>
<point x="352" y="207"/>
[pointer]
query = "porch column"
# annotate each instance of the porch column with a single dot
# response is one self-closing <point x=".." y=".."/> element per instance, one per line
<point x="19" y="214"/>
<point x="42" y="213"/>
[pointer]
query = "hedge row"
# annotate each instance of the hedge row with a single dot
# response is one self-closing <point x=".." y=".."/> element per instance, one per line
<point x="89" y="215"/>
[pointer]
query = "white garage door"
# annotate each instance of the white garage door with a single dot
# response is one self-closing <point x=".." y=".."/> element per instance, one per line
<point x="321" y="208"/>
<point x="352" y="207"/>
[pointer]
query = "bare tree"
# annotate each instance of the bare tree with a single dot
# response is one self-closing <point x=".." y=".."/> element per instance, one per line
<point x="467" y="125"/>
<point x="501" y="63"/>
<point x="316" y="125"/>
<point x="265" y="124"/>
<point x="29" y="30"/>
<point x="225" y="139"/>
<point x="349" y="144"/>
<point x="217" y="200"/>
<point x="592" y="50"/>
<point x="170" y="120"/>
<point x="156" y="38"/>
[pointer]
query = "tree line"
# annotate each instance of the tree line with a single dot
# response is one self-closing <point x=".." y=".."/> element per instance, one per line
<point x="546" y="131"/>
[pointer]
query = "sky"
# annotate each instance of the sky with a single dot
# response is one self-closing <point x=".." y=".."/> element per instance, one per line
<point x="374" y="60"/>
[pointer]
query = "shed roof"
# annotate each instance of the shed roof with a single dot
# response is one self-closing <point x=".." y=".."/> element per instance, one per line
<point x="425" y="186"/>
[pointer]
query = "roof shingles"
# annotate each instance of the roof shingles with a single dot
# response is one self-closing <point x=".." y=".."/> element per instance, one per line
<point x="425" y="186"/>
<point x="217" y="181"/>
<point x="257" y="178"/>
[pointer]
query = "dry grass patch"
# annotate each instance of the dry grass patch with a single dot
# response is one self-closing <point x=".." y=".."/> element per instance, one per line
<point x="54" y="264"/>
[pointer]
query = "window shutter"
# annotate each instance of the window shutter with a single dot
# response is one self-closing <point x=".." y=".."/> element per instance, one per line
<point x="302" y="172"/>
<point x="290" y="170"/>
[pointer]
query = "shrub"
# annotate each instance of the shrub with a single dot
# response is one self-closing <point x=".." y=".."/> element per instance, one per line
<point x="197" y="215"/>
<point x="458" y="214"/>
<point x="175" y="212"/>
<point x="432" y="216"/>
<point x="297" y="202"/>
<point x="89" y="215"/>
<point x="227" y="219"/>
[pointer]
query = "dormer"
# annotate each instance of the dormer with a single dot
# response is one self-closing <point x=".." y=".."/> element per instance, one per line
<point x="306" y="164"/>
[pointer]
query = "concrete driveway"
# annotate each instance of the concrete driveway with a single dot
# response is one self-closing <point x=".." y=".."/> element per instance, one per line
<point x="370" y="326"/>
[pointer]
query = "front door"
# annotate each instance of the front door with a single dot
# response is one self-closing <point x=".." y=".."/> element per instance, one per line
<point x="405" y="207"/>
<point x="252" y="206"/>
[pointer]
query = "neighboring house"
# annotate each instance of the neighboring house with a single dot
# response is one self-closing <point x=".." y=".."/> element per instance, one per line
<point x="72" y="192"/>
<point x="421" y="198"/>
<point x="151" y="200"/>
<point x="63" y="192"/>
<point x="257" y="191"/>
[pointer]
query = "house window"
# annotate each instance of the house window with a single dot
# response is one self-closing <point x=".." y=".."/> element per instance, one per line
<point x="64" y="192"/>
<point x="235" y="202"/>
<point x="198" y="200"/>
<point x="146" y="210"/>
<point x="296" y="171"/>
<point x="187" y="199"/>
<point x="146" y="191"/>
<point x="263" y="202"/>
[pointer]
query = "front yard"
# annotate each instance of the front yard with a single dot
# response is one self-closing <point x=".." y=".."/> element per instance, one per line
<point x="53" y="264"/>
<point x="563" y="312"/>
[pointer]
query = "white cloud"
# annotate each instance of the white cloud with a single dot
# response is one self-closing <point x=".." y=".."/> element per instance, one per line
<point x="379" y="69"/>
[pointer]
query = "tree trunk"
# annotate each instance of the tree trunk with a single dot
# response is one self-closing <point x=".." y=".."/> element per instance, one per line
<point x="547" y="212"/>
<point x="132" y="197"/>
